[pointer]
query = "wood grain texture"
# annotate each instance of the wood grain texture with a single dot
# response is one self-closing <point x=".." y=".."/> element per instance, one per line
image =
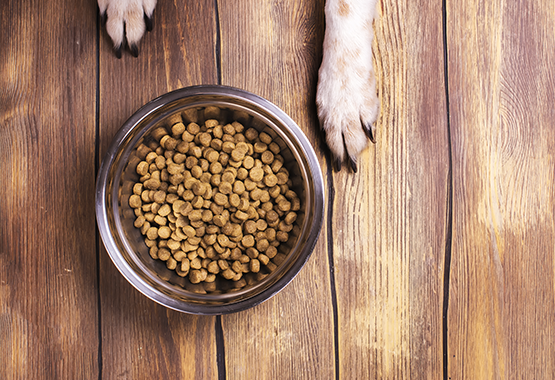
<point x="140" y="339"/>
<point x="48" y="308"/>
<point x="273" y="49"/>
<point x="474" y="190"/>
<point x="502" y="91"/>
<point x="390" y="219"/>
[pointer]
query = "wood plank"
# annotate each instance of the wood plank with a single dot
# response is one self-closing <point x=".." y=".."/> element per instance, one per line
<point x="140" y="339"/>
<point x="390" y="219"/>
<point x="273" y="49"/>
<point x="502" y="91"/>
<point x="48" y="285"/>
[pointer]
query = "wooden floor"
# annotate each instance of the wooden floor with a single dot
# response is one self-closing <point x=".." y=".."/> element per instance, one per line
<point x="436" y="260"/>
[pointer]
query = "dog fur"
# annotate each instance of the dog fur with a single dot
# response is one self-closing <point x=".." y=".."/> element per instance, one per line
<point x="346" y="97"/>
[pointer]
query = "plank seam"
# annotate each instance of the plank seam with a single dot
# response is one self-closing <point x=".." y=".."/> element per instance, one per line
<point x="218" y="328"/>
<point x="220" y="348"/>
<point x="218" y="43"/>
<point x="96" y="167"/>
<point x="333" y="290"/>
<point x="449" y="206"/>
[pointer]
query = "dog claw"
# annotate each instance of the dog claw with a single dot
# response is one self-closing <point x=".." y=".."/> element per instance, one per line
<point x="337" y="164"/>
<point x="368" y="130"/>
<point x="103" y="18"/>
<point x="148" y="23"/>
<point x="117" y="51"/>
<point x="352" y="164"/>
<point x="134" y="49"/>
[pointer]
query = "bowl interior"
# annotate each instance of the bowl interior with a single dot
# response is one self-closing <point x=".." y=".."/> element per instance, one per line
<point x="131" y="255"/>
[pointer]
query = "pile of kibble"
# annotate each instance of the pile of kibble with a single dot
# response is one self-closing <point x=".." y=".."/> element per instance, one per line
<point x="214" y="200"/>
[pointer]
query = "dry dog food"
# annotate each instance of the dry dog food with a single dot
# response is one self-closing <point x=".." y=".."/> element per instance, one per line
<point x="214" y="200"/>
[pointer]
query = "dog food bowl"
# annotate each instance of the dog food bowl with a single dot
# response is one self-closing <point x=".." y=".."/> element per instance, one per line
<point x="117" y="174"/>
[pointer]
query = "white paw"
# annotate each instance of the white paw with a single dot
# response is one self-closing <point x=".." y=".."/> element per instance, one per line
<point x="346" y="96"/>
<point x="126" y="21"/>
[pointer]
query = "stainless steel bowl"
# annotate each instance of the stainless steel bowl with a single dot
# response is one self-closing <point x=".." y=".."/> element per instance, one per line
<point x="115" y="218"/>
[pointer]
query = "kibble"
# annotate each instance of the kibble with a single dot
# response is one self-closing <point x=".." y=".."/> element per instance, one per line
<point x="214" y="201"/>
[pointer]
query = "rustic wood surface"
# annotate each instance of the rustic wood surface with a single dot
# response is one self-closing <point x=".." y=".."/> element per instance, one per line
<point x="502" y="92"/>
<point x="436" y="260"/>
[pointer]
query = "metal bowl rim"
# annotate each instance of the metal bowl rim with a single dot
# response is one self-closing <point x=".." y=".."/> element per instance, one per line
<point x="101" y="198"/>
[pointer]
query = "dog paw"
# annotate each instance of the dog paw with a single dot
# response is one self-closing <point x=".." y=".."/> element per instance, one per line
<point x="346" y="97"/>
<point x="126" y="22"/>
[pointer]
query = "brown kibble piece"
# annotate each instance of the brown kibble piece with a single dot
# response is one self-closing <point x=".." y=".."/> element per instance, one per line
<point x="284" y="206"/>
<point x="265" y="138"/>
<point x="207" y="216"/>
<point x="220" y="199"/>
<point x="178" y="129"/>
<point x="204" y="138"/>
<point x="261" y="225"/>
<point x="272" y="216"/>
<point x="262" y="245"/>
<point x="228" y="147"/>
<point x="158" y="133"/>
<point x="216" y="167"/>
<point x="228" y="176"/>
<point x="185" y="266"/>
<point x="164" y="254"/>
<point x="271" y="251"/>
<point x="271" y="180"/>
<point x="171" y="263"/>
<point x="228" y="274"/>
<point x="135" y="201"/>
<point x="193" y="128"/>
<point x="223" y="264"/>
<point x="251" y="134"/>
<point x="164" y="232"/>
<point x="199" y="188"/>
<point x="241" y="215"/>
<point x="248" y="162"/>
<point x="249" y="227"/>
<point x="195" y="276"/>
<point x="182" y="147"/>
<point x="159" y="196"/>
<point x="213" y="267"/>
<point x="247" y="241"/>
<point x="274" y="148"/>
<point x="263" y="259"/>
<point x="282" y="236"/>
<point x="260" y="147"/>
<point x="242" y="174"/>
<point x="168" y="142"/>
<point x="256" y="174"/>
<point x="234" y="200"/>
<point x="164" y="210"/>
<point x="195" y="215"/>
<point x="225" y="188"/>
<point x="237" y="266"/>
<point x="290" y="217"/>
<point x="267" y="157"/>
<point x="142" y="168"/>
<point x="173" y="244"/>
<point x="237" y="155"/>
<point x="252" y="253"/>
<point x="282" y="178"/>
<point x="152" y="184"/>
<point x="238" y="187"/>
<point x="254" y="266"/>
<point x="152" y="233"/>
<point x="223" y="240"/>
